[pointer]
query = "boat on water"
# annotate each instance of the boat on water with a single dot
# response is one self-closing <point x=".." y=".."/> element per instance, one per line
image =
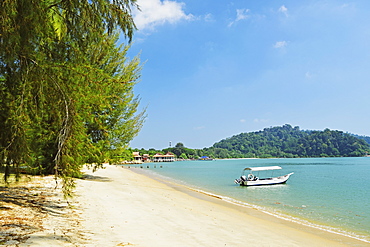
<point x="254" y="180"/>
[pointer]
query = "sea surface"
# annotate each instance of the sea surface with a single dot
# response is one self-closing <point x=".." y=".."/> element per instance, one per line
<point x="332" y="194"/>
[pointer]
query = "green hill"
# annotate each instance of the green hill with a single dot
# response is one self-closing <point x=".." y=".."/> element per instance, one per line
<point x="286" y="141"/>
<point x="365" y="138"/>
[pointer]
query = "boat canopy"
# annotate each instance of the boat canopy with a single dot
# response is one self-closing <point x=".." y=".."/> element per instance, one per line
<point x="263" y="168"/>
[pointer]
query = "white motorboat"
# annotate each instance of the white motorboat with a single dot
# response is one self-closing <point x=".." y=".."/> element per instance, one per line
<point x="266" y="178"/>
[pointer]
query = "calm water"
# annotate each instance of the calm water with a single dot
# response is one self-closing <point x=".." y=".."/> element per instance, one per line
<point x="330" y="193"/>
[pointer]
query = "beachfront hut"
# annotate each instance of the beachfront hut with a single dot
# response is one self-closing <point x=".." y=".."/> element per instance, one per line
<point x="168" y="157"/>
<point x="146" y="157"/>
<point x="137" y="157"/>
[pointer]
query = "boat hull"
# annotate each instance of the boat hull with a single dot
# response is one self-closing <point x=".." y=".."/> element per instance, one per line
<point x="266" y="181"/>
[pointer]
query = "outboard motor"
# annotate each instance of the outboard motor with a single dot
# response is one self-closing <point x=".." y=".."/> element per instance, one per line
<point x="240" y="180"/>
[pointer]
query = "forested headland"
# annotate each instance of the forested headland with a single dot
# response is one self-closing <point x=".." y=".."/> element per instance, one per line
<point x="281" y="142"/>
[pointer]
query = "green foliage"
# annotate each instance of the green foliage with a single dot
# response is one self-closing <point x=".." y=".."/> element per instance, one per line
<point x="284" y="141"/>
<point x="365" y="138"/>
<point x="66" y="89"/>
<point x="287" y="141"/>
<point x="183" y="156"/>
<point x="180" y="145"/>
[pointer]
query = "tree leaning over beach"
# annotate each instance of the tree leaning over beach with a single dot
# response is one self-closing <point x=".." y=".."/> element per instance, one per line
<point x="66" y="88"/>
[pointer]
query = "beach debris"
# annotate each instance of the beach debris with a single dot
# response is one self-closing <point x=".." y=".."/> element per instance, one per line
<point x="124" y="244"/>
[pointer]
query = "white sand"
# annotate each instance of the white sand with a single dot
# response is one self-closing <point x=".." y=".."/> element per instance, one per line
<point x="119" y="207"/>
<point x="123" y="207"/>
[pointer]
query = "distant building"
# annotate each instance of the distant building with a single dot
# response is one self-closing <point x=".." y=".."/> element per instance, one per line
<point x="137" y="157"/>
<point x="168" y="157"/>
<point x="146" y="157"/>
<point x="205" y="158"/>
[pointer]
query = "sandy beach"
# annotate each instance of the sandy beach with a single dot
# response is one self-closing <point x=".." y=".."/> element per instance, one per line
<point x="118" y="206"/>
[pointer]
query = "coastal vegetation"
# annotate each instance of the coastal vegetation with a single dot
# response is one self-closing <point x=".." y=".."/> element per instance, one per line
<point x="66" y="87"/>
<point x="282" y="142"/>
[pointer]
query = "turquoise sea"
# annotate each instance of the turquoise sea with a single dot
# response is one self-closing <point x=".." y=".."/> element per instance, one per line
<point x="328" y="193"/>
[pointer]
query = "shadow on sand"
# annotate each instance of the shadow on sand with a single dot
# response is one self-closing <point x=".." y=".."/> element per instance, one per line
<point x="23" y="210"/>
<point x="96" y="178"/>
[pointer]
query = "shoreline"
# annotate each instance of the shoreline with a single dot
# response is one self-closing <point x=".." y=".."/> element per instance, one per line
<point x="147" y="212"/>
<point x="116" y="206"/>
<point x="230" y="202"/>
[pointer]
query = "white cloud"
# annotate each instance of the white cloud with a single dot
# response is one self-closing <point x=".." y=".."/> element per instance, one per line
<point x="243" y="120"/>
<point x="283" y="10"/>
<point x="156" y="12"/>
<point x="208" y="18"/>
<point x="280" y="44"/>
<point x="241" y="14"/>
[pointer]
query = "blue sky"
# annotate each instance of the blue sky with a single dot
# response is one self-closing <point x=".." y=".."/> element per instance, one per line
<point x="213" y="69"/>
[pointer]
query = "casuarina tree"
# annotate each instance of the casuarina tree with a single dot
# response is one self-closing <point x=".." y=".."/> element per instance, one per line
<point x="66" y="87"/>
